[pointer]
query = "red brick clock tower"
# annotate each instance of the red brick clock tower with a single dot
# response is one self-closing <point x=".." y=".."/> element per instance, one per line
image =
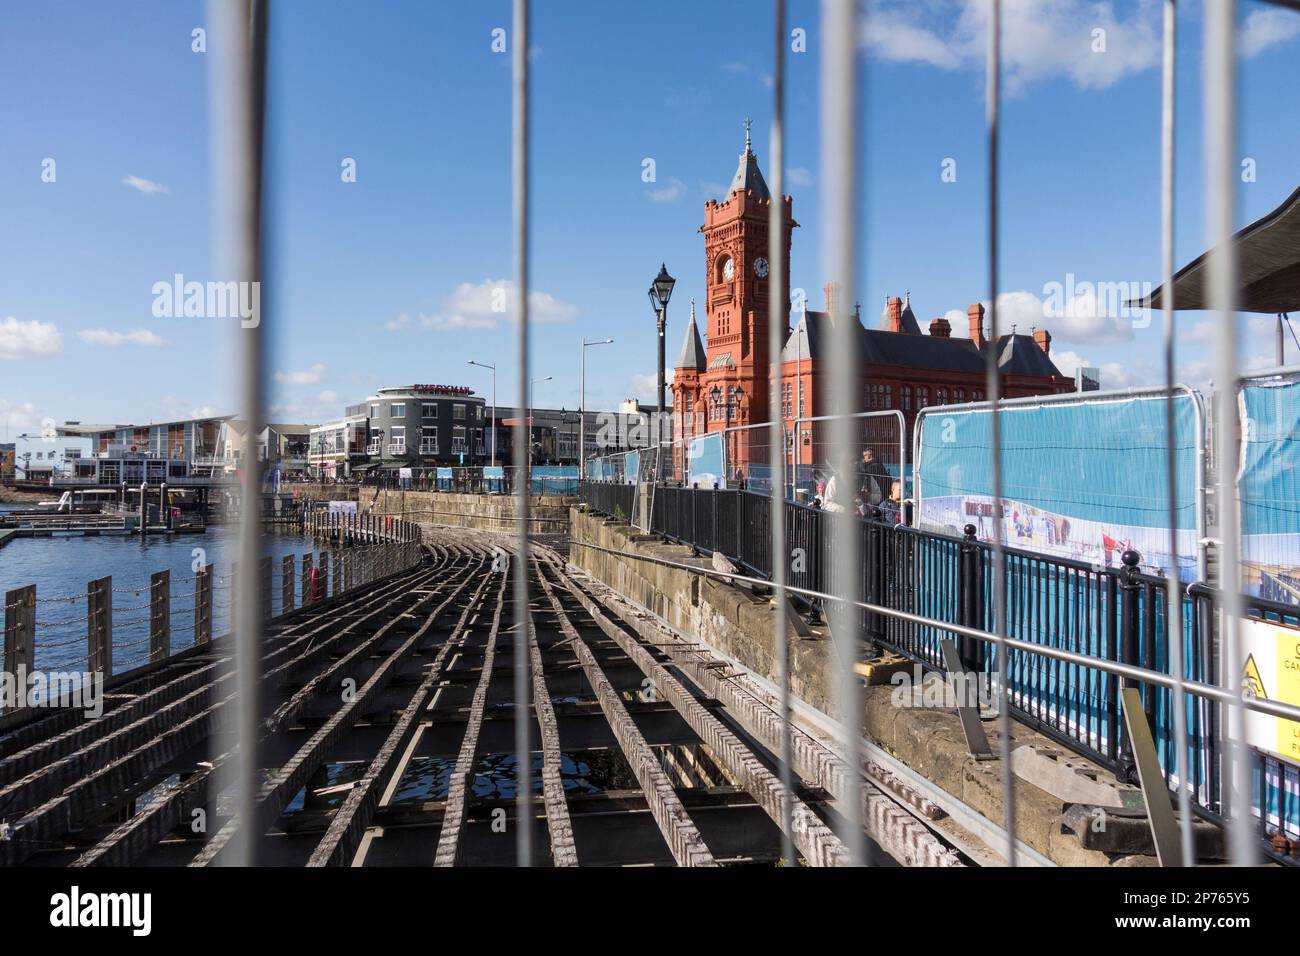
<point x="738" y="286"/>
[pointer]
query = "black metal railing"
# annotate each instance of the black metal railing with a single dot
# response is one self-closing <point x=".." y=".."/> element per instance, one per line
<point x="617" y="501"/>
<point x="1115" y="614"/>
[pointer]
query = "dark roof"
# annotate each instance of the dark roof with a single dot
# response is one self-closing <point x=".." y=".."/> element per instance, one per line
<point x="1268" y="267"/>
<point x="1018" y="354"/>
<point x="908" y="323"/>
<point x="692" y="355"/>
<point x="748" y="175"/>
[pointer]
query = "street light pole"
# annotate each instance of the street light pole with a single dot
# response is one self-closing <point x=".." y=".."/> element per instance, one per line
<point x="494" y="407"/>
<point x="661" y="290"/>
<point x="582" y="407"/>
<point x="528" y="422"/>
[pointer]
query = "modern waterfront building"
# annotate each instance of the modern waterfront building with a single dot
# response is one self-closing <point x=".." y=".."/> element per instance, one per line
<point x="285" y="447"/>
<point x="337" y="449"/>
<point x="422" y="426"/>
<point x="189" y="439"/>
<point x="48" y="457"/>
<point x="555" y="432"/>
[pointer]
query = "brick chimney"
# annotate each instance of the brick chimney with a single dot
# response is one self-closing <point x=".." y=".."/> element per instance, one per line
<point x="894" y="307"/>
<point x="976" y="315"/>
<point x="941" y="328"/>
<point x="830" y="290"/>
<point x="1043" y="339"/>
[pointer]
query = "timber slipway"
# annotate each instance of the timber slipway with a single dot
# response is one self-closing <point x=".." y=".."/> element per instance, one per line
<point x="387" y="738"/>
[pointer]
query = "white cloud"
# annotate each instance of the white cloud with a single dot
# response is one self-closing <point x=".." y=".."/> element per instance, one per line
<point x="799" y="176"/>
<point x="28" y="339"/>
<point x="483" y="305"/>
<point x="1083" y="318"/>
<point x="111" y="339"/>
<point x="1069" y="362"/>
<point x="672" y="192"/>
<point x="146" y="186"/>
<point x="1265" y="28"/>
<point x="392" y="325"/>
<point x="309" y="376"/>
<point x="1041" y="39"/>
<point x="1113" y="374"/>
<point x="19" y="417"/>
<point x="328" y="397"/>
<point x="203" y="411"/>
<point x="645" y="388"/>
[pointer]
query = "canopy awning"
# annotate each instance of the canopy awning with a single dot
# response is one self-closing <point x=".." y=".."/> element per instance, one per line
<point x="1268" y="268"/>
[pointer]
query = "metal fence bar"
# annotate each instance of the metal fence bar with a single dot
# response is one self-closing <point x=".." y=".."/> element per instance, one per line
<point x="519" y="172"/>
<point x="238" y="84"/>
<point x="994" y="388"/>
<point x="1118" y="669"/>
<point x="839" y="157"/>
<point x="1173" y="603"/>
<point x="1220" y="132"/>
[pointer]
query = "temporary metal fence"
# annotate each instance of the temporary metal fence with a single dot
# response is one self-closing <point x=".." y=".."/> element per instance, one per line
<point x="880" y="448"/>
<point x="1105" y="614"/>
<point x="1105" y="460"/>
<point x="239" y="94"/>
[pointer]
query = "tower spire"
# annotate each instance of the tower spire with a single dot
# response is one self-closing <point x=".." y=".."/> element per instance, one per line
<point x="748" y="123"/>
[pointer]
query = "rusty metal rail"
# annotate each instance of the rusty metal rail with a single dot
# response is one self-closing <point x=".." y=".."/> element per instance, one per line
<point x="387" y="737"/>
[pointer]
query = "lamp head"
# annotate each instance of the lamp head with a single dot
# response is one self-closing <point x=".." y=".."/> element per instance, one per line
<point x="663" y="285"/>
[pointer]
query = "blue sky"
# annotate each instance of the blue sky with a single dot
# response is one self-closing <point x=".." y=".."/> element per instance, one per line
<point x="386" y="280"/>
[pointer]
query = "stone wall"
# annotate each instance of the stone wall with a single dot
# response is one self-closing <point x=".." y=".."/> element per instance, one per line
<point x="737" y="623"/>
<point x="439" y="508"/>
<point x="730" y="619"/>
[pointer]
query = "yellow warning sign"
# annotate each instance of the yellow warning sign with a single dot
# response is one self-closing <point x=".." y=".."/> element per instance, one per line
<point x="1251" y="682"/>
<point x="1272" y="655"/>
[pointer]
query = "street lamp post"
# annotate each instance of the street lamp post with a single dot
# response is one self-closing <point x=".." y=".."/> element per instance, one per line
<point x="582" y="407"/>
<point x="494" y="407"/>
<point x="661" y="290"/>
<point x="528" y="421"/>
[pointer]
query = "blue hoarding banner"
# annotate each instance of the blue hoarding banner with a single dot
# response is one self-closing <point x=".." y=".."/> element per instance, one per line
<point x="1269" y="489"/>
<point x="1083" y="480"/>
<point x="705" y="461"/>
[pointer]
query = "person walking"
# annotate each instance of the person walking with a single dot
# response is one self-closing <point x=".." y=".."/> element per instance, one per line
<point x="873" y="479"/>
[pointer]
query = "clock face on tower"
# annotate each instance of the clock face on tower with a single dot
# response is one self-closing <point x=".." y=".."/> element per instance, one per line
<point x="760" y="267"/>
<point x="729" y="269"/>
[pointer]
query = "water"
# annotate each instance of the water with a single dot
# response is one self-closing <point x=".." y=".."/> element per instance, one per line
<point x="60" y="567"/>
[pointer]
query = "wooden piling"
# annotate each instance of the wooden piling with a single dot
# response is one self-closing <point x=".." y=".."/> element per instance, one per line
<point x="264" y="576"/>
<point x="20" y="629"/>
<point x="203" y="605"/>
<point x="286" y="583"/>
<point x="160" y="616"/>
<point x="99" y="626"/>
<point x="307" y="596"/>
